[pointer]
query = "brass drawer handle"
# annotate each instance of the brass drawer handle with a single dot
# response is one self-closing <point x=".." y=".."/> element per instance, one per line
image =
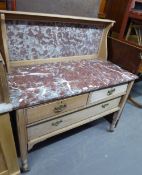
<point x="57" y="123"/>
<point x="105" y="105"/>
<point x="111" y="91"/>
<point x="60" y="108"/>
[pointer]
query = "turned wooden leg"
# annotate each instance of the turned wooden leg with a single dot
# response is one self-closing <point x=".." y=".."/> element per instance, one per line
<point x="24" y="165"/>
<point x="22" y="135"/>
<point x="117" y="115"/>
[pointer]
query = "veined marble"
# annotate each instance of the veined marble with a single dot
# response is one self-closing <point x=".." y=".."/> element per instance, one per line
<point x="34" y="40"/>
<point x="35" y="84"/>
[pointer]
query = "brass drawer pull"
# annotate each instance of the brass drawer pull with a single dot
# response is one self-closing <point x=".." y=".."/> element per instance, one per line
<point x="60" y="108"/>
<point x="57" y="123"/>
<point x="111" y="91"/>
<point x="105" y="105"/>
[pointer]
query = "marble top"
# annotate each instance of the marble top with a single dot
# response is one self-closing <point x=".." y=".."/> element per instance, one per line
<point x="5" y="107"/>
<point x="36" y="84"/>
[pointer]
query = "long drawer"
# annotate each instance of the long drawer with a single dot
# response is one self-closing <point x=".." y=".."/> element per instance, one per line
<point x="62" y="122"/>
<point x="41" y="112"/>
<point x="107" y="94"/>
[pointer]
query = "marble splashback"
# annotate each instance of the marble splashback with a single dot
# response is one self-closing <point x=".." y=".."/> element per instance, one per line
<point x="34" y="40"/>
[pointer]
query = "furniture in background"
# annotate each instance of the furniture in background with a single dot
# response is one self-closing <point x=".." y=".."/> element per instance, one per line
<point x="3" y="5"/>
<point x="8" y="158"/>
<point x="132" y="12"/>
<point x="114" y="10"/>
<point x="58" y="74"/>
<point x="8" y="5"/>
<point x="127" y="29"/>
<point x="102" y="9"/>
<point x="129" y="9"/>
<point x="124" y="54"/>
<point x="131" y="31"/>
<point x="117" y="52"/>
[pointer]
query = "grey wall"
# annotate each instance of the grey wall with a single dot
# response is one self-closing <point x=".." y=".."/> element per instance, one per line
<point x="87" y="8"/>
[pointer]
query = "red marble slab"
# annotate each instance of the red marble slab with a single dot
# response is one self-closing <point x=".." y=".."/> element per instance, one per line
<point x="33" y="40"/>
<point x="31" y="85"/>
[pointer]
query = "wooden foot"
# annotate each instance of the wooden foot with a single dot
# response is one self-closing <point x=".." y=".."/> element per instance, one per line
<point x="25" y="166"/>
<point x="110" y="129"/>
<point x="114" y="122"/>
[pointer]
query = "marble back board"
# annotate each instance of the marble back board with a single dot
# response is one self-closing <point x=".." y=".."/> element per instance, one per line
<point x="33" y="40"/>
<point x="32" y="36"/>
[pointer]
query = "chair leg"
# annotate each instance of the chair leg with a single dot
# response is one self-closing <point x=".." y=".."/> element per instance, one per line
<point x="134" y="102"/>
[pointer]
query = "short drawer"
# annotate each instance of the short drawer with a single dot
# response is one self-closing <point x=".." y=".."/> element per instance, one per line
<point x="41" y="112"/>
<point x="62" y="122"/>
<point x="107" y="94"/>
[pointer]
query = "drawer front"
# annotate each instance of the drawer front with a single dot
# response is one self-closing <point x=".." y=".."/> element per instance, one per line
<point x="55" y="108"/>
<point x="62" y="122"/>
<point x="107" y="94"/>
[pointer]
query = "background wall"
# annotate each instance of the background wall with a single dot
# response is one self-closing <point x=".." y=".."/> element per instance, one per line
<point x="87" y="8"/>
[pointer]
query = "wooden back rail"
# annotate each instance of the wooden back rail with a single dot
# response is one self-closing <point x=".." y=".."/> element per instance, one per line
<point x="73" y="38"/>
